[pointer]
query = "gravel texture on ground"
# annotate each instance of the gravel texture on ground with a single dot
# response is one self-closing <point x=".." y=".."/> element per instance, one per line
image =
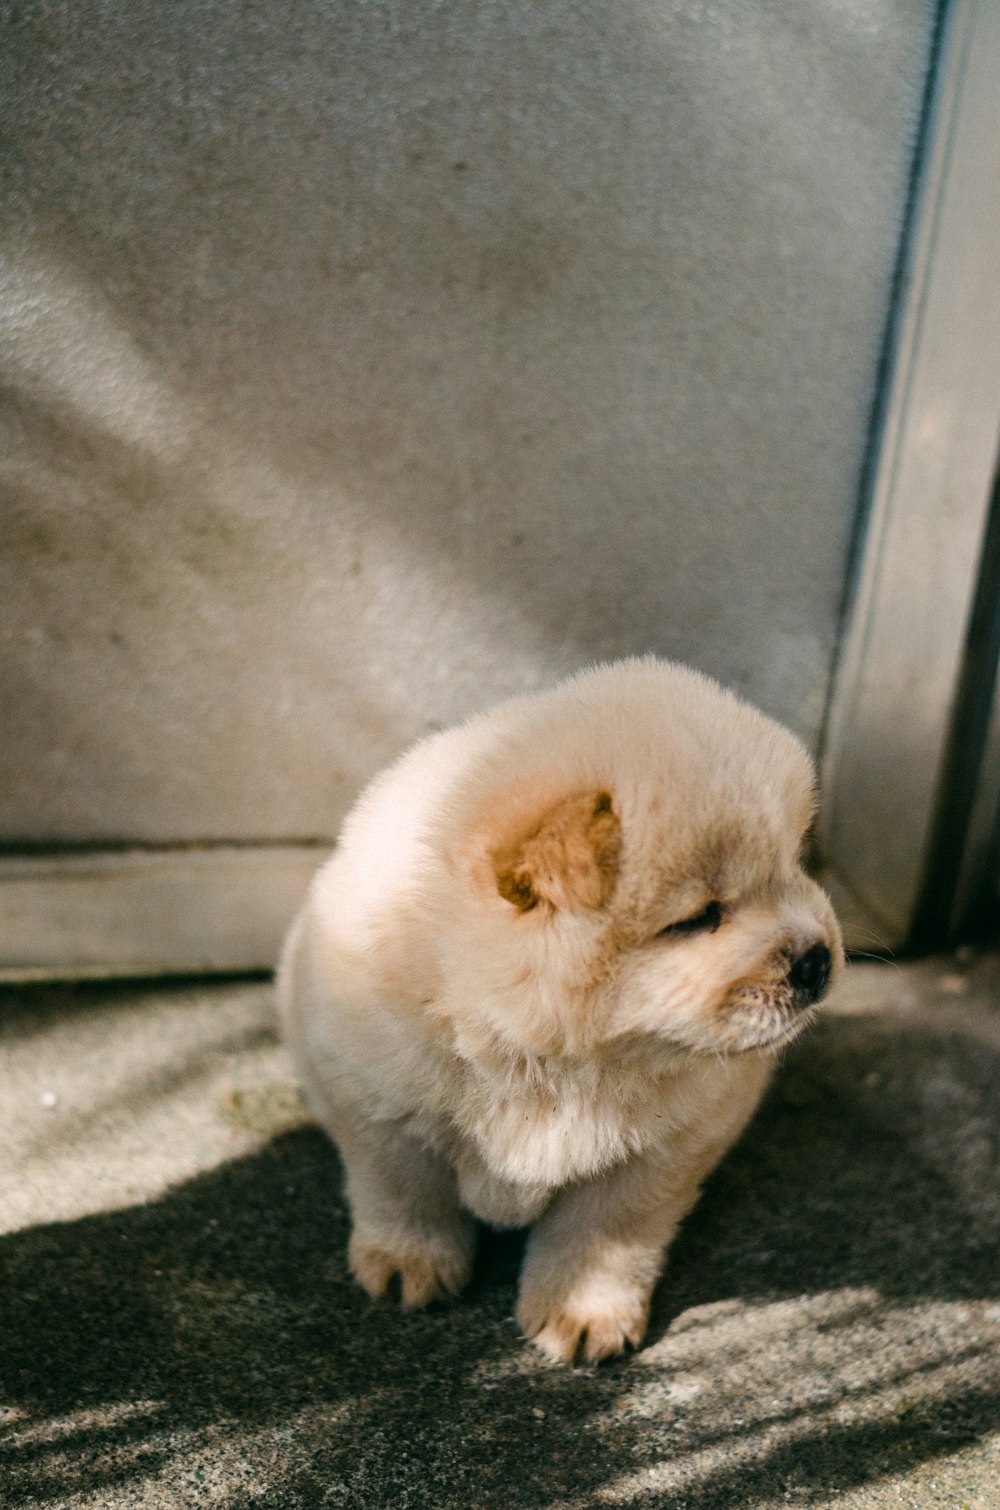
<point x="179" y="1329"/>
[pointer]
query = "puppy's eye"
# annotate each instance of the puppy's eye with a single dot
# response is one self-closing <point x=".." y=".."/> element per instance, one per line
<point x="705" y="921"/>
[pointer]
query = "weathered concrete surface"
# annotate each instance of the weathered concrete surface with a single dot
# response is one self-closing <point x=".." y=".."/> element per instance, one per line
<point x="179" y="1329"/>
<point x="364" y="362"/>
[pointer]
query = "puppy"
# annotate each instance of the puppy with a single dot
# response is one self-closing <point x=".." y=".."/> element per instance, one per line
<point x="544" y="978"/>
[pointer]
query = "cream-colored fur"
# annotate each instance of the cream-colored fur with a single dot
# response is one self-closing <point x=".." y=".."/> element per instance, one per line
<point x="543" y="980"/>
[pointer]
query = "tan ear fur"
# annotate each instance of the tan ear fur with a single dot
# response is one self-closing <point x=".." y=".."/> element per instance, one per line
<point x="569" y="857"/>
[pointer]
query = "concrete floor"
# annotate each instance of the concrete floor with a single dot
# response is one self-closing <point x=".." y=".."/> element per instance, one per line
<point x="178" y="1328"/>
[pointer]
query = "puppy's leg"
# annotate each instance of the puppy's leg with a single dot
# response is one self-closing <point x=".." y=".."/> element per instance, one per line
<point x="407" y="1222"/>
<point x="406" y="1215"/>
<point x="595" y="1255"/>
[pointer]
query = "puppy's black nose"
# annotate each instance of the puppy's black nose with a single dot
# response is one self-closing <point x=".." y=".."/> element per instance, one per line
<point x="810" y="973"/>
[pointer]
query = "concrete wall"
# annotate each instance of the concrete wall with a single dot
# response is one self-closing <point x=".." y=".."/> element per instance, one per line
<point x="365" y="361"/>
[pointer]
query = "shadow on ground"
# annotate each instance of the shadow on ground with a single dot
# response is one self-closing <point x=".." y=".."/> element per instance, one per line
<point x="821" y="1327"/>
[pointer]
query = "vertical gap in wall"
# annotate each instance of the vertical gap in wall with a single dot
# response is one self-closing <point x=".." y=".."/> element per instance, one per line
<point x="962" y="763"/>
<point x="979" y="917"/>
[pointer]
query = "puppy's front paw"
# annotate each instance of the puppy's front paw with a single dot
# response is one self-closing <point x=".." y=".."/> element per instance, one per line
<point x="425" y="1271"/>
<point x="583" y="1328"/>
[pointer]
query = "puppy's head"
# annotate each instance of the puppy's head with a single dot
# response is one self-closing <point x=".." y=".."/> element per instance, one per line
<point x="637" y="870"/>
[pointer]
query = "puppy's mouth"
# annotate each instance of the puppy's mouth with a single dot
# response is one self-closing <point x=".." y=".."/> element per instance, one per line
<point x="753" y="1020"/>
<point x="775" y="1035"/>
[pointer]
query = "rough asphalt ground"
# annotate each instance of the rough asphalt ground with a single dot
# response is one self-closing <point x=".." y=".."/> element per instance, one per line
<point x="177" y="1327"/>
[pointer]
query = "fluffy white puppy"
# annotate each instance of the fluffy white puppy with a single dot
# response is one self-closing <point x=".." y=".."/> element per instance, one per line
<point x="543" y="980"/>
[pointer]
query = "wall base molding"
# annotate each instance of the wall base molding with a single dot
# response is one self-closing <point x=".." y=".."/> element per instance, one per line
<point x="104" y="913"/>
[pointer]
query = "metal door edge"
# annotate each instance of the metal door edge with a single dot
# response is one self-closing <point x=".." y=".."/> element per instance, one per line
<point x="901" y="652"/>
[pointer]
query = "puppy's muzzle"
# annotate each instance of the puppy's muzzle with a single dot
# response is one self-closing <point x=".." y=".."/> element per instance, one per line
<point x="809" y="974"/>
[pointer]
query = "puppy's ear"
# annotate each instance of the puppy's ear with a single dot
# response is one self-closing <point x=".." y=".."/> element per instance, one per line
<point x="568" y="857"/>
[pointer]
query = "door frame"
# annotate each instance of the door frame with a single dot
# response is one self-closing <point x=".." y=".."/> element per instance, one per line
<point x="899" y="677"/>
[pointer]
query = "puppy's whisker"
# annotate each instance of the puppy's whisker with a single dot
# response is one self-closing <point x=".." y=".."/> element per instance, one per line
<point x="870" y="936"/>
<point x="880" y="959"/>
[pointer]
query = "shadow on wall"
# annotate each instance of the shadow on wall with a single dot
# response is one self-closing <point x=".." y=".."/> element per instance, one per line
<point x="824" y="1324"/>
<point x="368" y="366"/>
